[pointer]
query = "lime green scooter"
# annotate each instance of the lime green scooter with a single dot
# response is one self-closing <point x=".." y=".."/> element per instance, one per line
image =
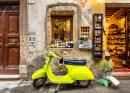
<point x="77" y="72"/>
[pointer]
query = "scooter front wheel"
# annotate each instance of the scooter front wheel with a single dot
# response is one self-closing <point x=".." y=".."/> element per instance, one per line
<point x="84" y="83"/>
<point x="39" y="82"/>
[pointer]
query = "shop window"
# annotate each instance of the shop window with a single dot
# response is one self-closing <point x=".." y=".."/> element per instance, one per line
<point x="62" y="32"/>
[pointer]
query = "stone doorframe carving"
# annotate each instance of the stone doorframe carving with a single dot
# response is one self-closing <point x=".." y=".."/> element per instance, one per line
<point x="61" y="10"/>
<point x="23" y="72"/>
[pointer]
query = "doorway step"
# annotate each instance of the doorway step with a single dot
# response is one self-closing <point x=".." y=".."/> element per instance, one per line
<point x="2" y="77"/>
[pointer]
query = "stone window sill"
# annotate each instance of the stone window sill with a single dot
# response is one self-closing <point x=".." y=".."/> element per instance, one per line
<point x="60" y="48"/>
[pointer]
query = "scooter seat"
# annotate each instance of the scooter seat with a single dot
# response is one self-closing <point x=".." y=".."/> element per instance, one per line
<point x="75" y="62"/>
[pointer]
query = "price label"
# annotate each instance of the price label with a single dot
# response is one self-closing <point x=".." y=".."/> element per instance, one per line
<point x="114" y="80"/>
<point x="31" y="1"/>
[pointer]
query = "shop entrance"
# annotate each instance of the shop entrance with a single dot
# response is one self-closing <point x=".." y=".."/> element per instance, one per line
<point x="9" y="39"/>
<point x="118" y="37"/>
<point x="128" y="40"/>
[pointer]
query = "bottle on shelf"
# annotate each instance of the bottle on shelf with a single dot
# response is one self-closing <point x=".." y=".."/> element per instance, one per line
<point x="57" y="44"/>
<point x="95" y="17"/>
<point x="52" y="45"/>
<point x="124" y="61"/>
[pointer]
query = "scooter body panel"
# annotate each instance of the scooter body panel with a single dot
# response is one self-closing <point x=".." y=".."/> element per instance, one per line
<point x="62" y="79"/>
<point x="39" y="74"/>
<point x="82" y="73"/>
<point x="79" y="72"/>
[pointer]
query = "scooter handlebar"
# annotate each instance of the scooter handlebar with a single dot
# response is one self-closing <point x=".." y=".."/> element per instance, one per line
<point x="56" y="55"/>
<point x="58" y="58"/>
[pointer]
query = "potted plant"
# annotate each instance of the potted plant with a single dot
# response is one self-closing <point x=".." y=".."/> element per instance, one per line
<point x="106" y="69"/>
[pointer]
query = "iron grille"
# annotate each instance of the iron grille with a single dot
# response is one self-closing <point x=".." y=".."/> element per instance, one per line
<point x="2" y="7"/>
<point x="12" y="7"/>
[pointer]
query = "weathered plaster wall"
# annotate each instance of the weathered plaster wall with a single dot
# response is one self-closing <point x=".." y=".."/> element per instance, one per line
<point x="37" y="25"/>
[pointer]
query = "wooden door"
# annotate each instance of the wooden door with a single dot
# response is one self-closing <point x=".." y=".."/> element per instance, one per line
<point x="12" y="45"/>
<point x="128" y="40"/>
<point x="1" y="44"/>
<point x="9" y="39"/>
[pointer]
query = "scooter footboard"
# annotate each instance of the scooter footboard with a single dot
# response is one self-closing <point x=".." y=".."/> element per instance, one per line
<point x="39" y="73"/>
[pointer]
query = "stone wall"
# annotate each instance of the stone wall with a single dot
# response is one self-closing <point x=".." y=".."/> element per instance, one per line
<point x="39" y="24"/>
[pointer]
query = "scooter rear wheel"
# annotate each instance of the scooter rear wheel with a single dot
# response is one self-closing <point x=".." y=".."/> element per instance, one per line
<point x="84" y="83"/>
<point x="39" y="82"/>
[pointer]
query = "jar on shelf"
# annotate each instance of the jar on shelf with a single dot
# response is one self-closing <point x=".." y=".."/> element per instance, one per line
<point x="99" y="17"/>
<point x="95" y="17"/>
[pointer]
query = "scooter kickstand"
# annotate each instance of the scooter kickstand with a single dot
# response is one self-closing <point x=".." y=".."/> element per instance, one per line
<point x="57" y="88"/>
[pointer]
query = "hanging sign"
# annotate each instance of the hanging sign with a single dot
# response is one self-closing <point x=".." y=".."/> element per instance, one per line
<point x="31" y="1"/>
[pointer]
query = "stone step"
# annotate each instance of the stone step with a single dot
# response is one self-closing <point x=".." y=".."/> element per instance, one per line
<point x="9" y="77"/>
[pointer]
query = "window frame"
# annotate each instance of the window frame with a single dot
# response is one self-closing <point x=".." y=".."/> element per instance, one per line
<point x="62" y="17"/>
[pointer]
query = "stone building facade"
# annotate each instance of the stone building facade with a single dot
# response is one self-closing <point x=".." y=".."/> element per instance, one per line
<point x="35" y="19"/>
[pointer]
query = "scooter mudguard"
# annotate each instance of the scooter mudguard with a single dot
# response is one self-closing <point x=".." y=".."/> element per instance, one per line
<point x="39" y="73"/>
<point x="82" y="73"/>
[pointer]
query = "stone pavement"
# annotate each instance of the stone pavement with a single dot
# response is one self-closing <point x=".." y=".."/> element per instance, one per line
<point x="19" y="86"/>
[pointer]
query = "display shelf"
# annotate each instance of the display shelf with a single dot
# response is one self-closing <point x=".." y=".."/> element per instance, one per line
<point x="116" y="38"/>
<point x="116" y="42"/>
<point x="97" y="58"/>
<point x="84" y="32"/>
<point x="84" y="42"/>
<point x="116" y="34"/>
<point x="98" y="28"/>
<point x="112" y="29"/>
<point x="99" y="21"/>
<point x="120" y="48"/>
<point x="97" y="50"/>
<point x="98" y="54"/>
<point x="120" y="54"/>
<point x="98" y="43"/>
<point x="97" y="36"/>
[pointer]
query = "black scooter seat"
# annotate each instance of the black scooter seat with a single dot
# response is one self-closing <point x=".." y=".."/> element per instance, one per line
<point x="75" y="62"/>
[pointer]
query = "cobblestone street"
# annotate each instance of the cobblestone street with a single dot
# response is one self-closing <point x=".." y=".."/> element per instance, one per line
<point x="18" y="86"/>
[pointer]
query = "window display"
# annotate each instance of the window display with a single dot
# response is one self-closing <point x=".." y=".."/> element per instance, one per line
<point x="62" y="32"/>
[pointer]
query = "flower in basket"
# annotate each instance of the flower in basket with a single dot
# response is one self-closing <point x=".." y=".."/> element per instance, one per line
<point x="106" y="69"/>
